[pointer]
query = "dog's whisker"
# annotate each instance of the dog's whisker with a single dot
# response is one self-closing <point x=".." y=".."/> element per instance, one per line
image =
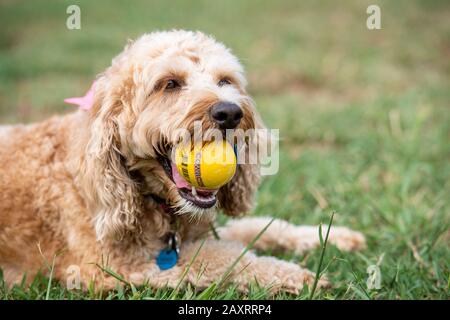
<point x="195" y="213"/>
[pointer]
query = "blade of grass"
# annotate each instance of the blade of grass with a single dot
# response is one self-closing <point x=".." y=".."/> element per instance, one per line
<point x="50" y="278"/>
<point x="322" y="253"/>
<point x="320" y="235"/>
<point x="175" y="292"/>
<point x="50" y="268"/>
<point x="214" y="231"/>
<point x="357" y="278"/>
<point x="246" y="249"/>
<point x="112" y="274"/>
<point x="206" y="294"/>
<point x="214" y="286"/>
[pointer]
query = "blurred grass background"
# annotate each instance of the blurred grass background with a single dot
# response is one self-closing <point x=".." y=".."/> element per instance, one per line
<point x="363" y="115"/>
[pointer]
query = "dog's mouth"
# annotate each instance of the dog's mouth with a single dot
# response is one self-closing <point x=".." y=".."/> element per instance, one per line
<point x="202" y="198"/>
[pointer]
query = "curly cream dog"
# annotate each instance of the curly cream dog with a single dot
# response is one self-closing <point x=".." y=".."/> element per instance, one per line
<point x="92" y="188"/>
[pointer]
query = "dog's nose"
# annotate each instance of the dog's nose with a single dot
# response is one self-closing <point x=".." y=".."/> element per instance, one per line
<point x="226" y="114"/>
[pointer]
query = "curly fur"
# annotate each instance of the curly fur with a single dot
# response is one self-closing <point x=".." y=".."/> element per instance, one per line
<point x="76" y="185"/>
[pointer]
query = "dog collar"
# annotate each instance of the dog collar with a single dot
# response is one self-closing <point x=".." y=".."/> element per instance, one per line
<point x="161" y="203"/>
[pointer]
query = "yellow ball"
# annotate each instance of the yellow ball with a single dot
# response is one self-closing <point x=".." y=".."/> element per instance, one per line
<point x="208" y="166"/>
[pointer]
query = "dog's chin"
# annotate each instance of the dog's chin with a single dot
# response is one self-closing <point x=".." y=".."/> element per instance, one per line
<point x="191" y="199"/>
<point x="194" y="212"/>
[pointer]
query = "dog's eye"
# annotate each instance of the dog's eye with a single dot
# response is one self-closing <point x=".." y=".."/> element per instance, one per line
<point x="172" y="84"/>
<point x="223" y="82"/>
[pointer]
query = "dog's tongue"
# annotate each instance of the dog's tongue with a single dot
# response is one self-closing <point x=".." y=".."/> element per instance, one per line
<point x="179" y="181"/>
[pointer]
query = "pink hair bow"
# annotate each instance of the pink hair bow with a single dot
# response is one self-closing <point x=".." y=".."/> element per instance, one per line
<point x="85" y="103"/>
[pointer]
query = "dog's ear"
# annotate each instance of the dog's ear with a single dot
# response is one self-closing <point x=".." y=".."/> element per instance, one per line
<point x="112" y="193"/>
<point x="237" y="197"/>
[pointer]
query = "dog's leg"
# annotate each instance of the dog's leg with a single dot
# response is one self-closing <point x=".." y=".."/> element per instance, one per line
<point x="216" y="256"/>
<point x="213" y="262"/>
<point x="286" y="236"/>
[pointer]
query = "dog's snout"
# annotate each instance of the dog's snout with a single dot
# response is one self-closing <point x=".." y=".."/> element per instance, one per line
<point x="226" y="114"/>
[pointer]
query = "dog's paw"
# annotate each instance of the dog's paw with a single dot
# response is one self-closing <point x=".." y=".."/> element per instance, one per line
<point x="294" y="283"/>
<point x="346" y="239"/>
<point x="278" y="275"/>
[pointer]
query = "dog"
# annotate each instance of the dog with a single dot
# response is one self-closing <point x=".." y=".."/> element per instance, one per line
<point x="95" y="188"/>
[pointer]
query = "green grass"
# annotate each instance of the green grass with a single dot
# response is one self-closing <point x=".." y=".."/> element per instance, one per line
<point x="363" y="115"/>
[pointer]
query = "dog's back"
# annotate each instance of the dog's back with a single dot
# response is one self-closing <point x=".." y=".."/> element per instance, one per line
<point x="29" y="154"/>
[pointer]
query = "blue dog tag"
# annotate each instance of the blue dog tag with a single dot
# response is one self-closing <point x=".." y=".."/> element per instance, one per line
<point x="167" y="258"/>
